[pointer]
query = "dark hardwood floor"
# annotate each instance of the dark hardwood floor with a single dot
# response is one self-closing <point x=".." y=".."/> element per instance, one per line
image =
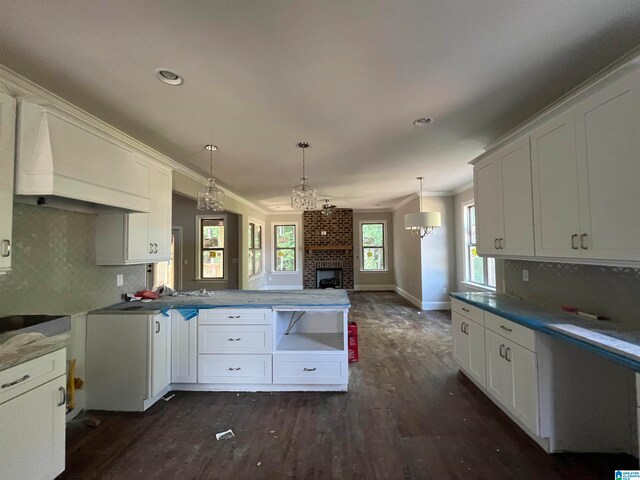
<point x="409" y="414"/>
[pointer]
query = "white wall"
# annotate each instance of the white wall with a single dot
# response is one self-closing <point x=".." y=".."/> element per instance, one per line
<point x="283" y="280"/>
<point x="373" y="280"/>
<point x="407" y="256"/>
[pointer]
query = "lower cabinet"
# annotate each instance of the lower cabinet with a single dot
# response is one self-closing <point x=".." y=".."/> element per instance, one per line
<point x="469" y="346"/>
<point x="128" y="360"/>
<point x="184" y="348"/>
<point x="32" y="419"/>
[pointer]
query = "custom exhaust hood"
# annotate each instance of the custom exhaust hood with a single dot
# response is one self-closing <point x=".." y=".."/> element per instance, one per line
<point x="65" y="162"/>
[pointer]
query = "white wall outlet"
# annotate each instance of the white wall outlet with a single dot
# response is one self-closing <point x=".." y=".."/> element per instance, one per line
<point x="444" y="290"/>
<point x="119" y="280"/>
<point x="525" y="275"/>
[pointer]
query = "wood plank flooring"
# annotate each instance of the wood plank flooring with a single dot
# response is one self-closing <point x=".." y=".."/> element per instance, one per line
<point x="409" y="415"/>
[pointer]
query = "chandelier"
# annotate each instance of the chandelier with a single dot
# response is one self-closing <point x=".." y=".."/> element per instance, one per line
<point x="327" y="208"/>
<point x="303" y="196"/>
<point x="211" y="197"/>
<point x="422" y="223"/>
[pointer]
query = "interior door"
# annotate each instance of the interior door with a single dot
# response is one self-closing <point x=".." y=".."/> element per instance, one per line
<point x="517" y="202"/>
<point x="488" y="198"/>
<point x="477" y="359"/>
<point x="555" y="188"/>
<point x="608" y="140"/>
<point x="525" y="386"/>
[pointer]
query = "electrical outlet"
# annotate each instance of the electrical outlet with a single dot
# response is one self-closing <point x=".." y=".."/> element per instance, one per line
<point x="444" y="290"/>
<point x="525" y="275"/>
<point x="119" y="280"/>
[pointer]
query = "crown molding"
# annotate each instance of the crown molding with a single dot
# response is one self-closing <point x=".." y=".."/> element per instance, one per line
<point x="22" y="88"/>
<point x="463" y="188"/>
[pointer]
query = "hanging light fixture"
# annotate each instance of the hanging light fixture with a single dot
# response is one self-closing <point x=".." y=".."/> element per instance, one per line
<point x="422" y="223"/>
<point x="211" y="197"/>
<point x="327" y="208"/>
<point x="303" y="196"/>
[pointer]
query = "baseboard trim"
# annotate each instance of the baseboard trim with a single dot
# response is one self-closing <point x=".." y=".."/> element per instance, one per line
<point x="423" y="305"/>
<point x="408" y="296"/>
<point x="375" y="288"/>
<point x="266" y="387"/>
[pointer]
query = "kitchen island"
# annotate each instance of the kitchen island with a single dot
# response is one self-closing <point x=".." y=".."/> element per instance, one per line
<point x="221" y="341"/>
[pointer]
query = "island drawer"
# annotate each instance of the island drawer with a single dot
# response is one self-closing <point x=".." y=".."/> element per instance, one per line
<point x="310" y="369"/>
<point x="17" y="380"/>
<point x="234" y="317"/>
<point x="519" y="334"/>
<point x="234" y="369"/>
<point x="468" y="311"/>
<point x="234" y="339"/>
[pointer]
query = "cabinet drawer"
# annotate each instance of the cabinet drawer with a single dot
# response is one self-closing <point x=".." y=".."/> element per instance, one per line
<point x="330" y="369"/>
<point x="234" y="368"/>
<point x="234" y="339"/>
<point x="234" y="317"/>
<point x="517" y="333"/>
<point x="16" y="380"/>
<point x="469" y="311"/>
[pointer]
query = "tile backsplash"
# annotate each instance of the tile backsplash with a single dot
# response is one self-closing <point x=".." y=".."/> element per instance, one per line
<point x="610" y="291"/>
<point x="54" y="270"/>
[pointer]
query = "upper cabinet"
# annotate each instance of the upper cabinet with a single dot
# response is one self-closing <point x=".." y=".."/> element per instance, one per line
<point x="503" y="201"/>
<point x="584" y="178"/>
<point x="60" y="155"/>
<point x="7" y="156"/>
<point x="133" y="238"/>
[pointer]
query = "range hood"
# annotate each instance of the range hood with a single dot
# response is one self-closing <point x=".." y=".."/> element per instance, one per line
<point x="65" y="162"/>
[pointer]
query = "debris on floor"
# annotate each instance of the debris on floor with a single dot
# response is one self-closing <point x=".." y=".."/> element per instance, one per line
<point x="91" y="422"/>
<point x="259" y="463"/>
<point x="169" y="397"/>
<point x="225" y="435"/>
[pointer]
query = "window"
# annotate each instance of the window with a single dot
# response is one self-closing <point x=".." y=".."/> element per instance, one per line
<point x="285" y="248"/>
<point x="372" y="242"/>
<point x="479" y="270"/>
<point x="255" y="248"/>
<point x="211" y="238"/>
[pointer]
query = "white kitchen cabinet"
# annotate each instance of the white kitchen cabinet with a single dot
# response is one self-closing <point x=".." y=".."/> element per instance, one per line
<point x="123" y="239"/>
<point x="469" y="347"/>
<point x="512" y="378"/>
<point x="7" y="158"/>
<point x="32" y="419"/>
<point x="608" y="152"/>
<point x="555" y="188"/>
<point x="184" y="348"/>
<point x="128" y="360"/>
<point x="504" y="202"/>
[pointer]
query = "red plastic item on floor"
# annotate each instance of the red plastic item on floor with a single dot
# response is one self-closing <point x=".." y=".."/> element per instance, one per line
<point x="352" y="335"/>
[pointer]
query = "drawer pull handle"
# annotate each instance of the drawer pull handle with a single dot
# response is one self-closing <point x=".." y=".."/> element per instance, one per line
<point x="232" y="369"/>
<point x="465" y="309"/>
<point x="15" y="382"/>
<point x="64" y="396"/>
<point x="232" y="316"/>
<point x="507" y="354"/>
<point x="506" y="329"/>
<point x="502" y="351"/>
<point x="235" y="339"/>
<point x="309" y="369"/>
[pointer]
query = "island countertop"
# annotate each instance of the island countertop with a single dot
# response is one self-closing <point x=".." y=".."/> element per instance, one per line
<point x="191" y="303"/>
<point x="618" y="342"/>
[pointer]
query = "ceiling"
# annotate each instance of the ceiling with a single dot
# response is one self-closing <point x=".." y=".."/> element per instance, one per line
<point x="347" y="76"/>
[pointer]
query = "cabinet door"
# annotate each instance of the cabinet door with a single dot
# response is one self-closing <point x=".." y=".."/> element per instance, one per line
<point x="477" y="366"/>
<point x="7" y="151"/>
<point x="555" y="188"/>
<point x="488" y="198"/>
<point x="499" y="371"/>
<point x="608" y="140"/>
<point x="184" y="354"/>
<point x="160" y="216"/>
<point x="516" y="200"/>
<point x="460" y="341"/>
<point x="32" y="433"/>
<point x="525" y="385"/>
<point x="139" y="245"/>
<point x="161" y="354"/>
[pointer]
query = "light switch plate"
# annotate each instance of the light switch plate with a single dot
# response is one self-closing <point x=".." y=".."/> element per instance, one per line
<point x="525" y="275"/>
<point x="119" y="280"/>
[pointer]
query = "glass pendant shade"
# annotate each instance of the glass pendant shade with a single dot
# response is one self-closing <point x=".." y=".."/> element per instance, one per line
<point x="303" y="196"/>
<point x="211" y="197"/>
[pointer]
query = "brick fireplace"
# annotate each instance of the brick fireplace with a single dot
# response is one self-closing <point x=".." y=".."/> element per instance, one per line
<point x="328" y="246"/>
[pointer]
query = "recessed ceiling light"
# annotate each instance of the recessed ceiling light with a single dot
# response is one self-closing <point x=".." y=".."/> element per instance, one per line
<point x="422" y="122"/>
<point x="167" y="76"/>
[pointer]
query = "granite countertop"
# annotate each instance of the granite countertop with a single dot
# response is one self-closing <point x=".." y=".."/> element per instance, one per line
<point x="617" y="342"/>
<point x="191" y="303"/>
<point x="11" y="358"/>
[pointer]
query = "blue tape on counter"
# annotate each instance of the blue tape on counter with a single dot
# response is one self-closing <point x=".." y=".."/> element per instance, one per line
<point x="165" y="312"/>
<point x="188" y="313"/>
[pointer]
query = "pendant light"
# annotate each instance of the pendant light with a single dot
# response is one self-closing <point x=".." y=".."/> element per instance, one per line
<point x="303" y="196"/>
<point x="211" y="197"/>
<point x="422" y="223"/>
<point x="327" y="208"/>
